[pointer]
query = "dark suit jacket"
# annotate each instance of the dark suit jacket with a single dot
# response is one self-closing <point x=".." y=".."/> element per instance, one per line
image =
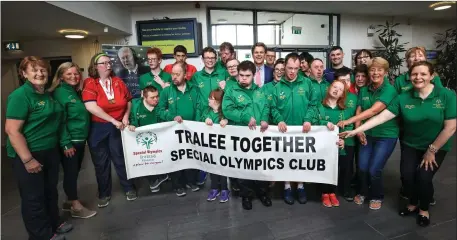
<point x="268" y="74"/>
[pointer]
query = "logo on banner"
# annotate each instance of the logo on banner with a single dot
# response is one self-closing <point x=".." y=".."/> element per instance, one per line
<point x="146" y="139"/>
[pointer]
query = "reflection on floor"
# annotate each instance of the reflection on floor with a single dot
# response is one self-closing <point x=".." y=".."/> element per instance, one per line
<point x="165" y="216"/>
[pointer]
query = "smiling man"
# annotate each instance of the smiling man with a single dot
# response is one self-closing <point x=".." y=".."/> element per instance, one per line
<point x="336" y="57"/>
<point x="264" y="73"/>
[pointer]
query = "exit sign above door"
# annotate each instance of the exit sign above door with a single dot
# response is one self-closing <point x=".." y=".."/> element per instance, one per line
<point x="296" y="30"/>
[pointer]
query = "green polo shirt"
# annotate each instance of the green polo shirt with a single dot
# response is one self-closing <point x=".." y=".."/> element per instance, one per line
<point x="403" y="82"/>
<point x="42" y="116"/>
<point x="76" y="116"/>
<point x="423" y="119"/>
<point x="320" y="88"/>
<point x="385" y="94"/>
<point x="351" y="106"/>
<point x="333" y="115"/>
<point x="147" y="79"/>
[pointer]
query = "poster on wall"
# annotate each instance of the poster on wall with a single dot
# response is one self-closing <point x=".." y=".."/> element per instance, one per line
<point x="129" y="63"/>
<point x="166" y="34"/>
<point x="374" y="52"/>
<point x="432" y="56"/>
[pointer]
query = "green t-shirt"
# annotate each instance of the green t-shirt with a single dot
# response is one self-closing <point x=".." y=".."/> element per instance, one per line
<point x="423" y="119"/>
<point x="403" y="83"/>
<point x="146" y="117"/>
<point x="42" y="116"/>
<point x="209" y="113"/>
<point x="333" y="115"/>
<point x="147" y="79"/>
<point x="385" y="94"/>
<point x="351" y="106"/>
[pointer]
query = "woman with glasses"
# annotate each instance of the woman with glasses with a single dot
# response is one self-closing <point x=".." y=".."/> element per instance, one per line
<point x="109" y="101"/>
<point x="232" y="68"/>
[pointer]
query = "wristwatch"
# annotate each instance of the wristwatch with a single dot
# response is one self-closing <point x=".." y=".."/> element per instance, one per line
<point x="432" y="148"/>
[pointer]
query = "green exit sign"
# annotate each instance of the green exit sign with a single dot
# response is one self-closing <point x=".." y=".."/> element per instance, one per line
<point x="296" y="30"/>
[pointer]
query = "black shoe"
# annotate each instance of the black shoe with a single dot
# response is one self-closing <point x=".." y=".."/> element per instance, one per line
<point x="58" y="237"/>
<point x="422" y="221"/>
<point x="247" y="203"/>
<point x="433" y="202"/>
<point x="266" y="201"/>
<point x="406" y="212"/>
<point x="348" y="196"/>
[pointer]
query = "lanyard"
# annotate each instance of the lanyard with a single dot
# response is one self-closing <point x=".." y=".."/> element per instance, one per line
<point x="108" y="89"/>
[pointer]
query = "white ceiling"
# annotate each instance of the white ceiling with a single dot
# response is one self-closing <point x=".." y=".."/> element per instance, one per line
<point x="246" y="17"/>
<point x="31" y="20"/>
<point x="410" y="9"/>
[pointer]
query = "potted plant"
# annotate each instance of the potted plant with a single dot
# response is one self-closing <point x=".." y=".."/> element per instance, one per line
<point x="446" y="63"/>
<point x="391" y="49"/>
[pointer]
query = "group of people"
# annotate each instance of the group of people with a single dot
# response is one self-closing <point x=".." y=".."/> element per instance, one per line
<point x="46" y="127"/>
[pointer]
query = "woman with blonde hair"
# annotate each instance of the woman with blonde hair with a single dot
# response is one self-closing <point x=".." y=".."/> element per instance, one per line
<point x="66" y="88"/>
<point x="33" y="122"/>
<point x="379" y="142"/>
<point x="424" y="147"/>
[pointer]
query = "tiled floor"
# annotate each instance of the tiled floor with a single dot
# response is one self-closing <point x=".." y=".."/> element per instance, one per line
<point x="165" y="216"/>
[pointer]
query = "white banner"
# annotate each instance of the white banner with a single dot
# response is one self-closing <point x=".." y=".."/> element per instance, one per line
<point x="233" y="151"/>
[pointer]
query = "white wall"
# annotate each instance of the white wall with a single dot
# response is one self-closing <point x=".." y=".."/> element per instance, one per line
<point x="184" y="10"/>
<point x="311" y="34"/>
<point x="80" y="50"/>
<point x="416" y="32"/>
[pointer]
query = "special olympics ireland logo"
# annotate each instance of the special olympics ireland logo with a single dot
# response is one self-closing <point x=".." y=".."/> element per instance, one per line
<point x="146" y="139"/>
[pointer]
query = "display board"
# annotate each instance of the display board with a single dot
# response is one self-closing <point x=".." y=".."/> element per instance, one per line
<point x="166" y="34"/>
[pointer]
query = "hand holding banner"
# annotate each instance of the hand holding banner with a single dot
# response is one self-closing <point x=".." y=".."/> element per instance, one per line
<point x="233" y="151"/>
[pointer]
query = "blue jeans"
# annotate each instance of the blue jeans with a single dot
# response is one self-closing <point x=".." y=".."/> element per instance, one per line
<point x="105" y="145"/>
<point x="372" y="158"/>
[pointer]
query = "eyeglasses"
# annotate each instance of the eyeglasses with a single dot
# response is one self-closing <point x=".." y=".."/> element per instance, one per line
<point x="279" y="70"/>
<point x="210" y="58"/>
<point x="153" y="59"/>
<point x="105" y="63"/>
<point x="232" y="66"/>
<point x="362" y="57"/>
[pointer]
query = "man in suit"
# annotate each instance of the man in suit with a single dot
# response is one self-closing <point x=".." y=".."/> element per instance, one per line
<point x="264" y="73"/>
<point x="131" y="70"/>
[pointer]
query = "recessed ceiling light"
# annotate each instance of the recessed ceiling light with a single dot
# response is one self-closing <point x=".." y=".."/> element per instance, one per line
<point x="222" y="20"/>
<point x="272" y="21"/>
<point x="441" y="5"/>
<point x="73" y="33"/>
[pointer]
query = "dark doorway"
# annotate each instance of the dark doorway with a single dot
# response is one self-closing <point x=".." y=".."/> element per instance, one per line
<point x="54" y="62"/>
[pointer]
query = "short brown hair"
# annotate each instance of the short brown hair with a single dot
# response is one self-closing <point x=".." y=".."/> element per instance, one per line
<point x="92" y="70"/>
<point x="430" y="67"/>
<point x="148" y="89"/>
<point x="414" y="50"/>
<point x="227" y="45"/>
<point x="259" y="44"/>
<point x="33" y="61"/>
<point x="155" y="51"/>
<point x="342" y="100"/>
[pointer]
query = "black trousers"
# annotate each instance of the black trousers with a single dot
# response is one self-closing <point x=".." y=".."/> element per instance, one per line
<point x="71" y="167"/>
<point x="218" y="182"/>
<point x="418" y="184"/>
<point x="252" y="188"/>
<point x="179" y="179"/>
<point x="345" y="169"/>
<point x="39" y="195"/>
